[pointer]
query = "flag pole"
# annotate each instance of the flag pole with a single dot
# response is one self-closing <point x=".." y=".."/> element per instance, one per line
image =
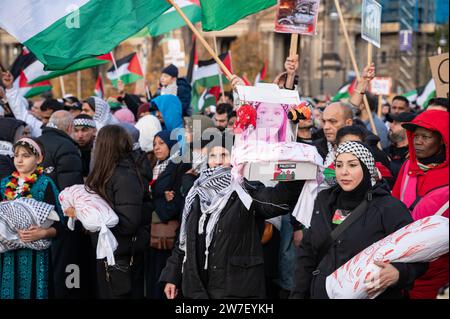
<point x="114" y="61"/>
<point x="61" y="82"/>
<point x="355" y="65"/>
<point x="380" y="105"/>
<point x="202" y="40"/>
<point x="292" y="53"/>
<point x="79" y="84"/>
<point x="222" y="90"/>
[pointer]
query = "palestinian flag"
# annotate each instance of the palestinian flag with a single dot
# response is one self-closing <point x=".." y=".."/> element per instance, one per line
<point x="25" y="69"/>
<point x="171" y="20"/>
<point x="425" y="95"/>
<point x="345" y="92"/>
<point x="99" y="91"/>
<point x="128" y="70"/>
<point x="60" y="37"/>
<point x="411" y="96"/>
<point x="219" y="14"/>
<point x="84" y="64"/>
<point x="205" y="75"/>
<point x="207" y="99"/>
<point x="261" y="76"/>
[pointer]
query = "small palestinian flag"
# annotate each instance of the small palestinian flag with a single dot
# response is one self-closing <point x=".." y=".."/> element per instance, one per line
<point x="128" y="70"/>
<point x="261" y="76"/>
<point x="81" y="65"/>
<point x="99" y="91"/>
<point x="345" y="92"/>
<point x="25" y="69"/>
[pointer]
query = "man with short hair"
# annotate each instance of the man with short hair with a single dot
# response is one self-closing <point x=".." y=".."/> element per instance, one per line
<point x="438" y="103"/>
<point x="49" y="107"/>
<point x="221" y="116"/>
<point x="399" y="150"/>
<point x="84" y="135"/>
<point x="400" y="104"/>
<point x="335" y="116"/>
<point x="72" y="104"/>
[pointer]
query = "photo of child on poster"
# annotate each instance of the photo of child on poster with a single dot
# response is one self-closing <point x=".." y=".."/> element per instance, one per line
<point x="271" y="122"/>
<point x="297" y="16"/>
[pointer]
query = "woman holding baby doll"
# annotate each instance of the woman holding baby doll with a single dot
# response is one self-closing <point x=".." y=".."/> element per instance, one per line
<point x="116" y="179"/>
<point x="372" y="215"/>
<point x="27" y="273"/>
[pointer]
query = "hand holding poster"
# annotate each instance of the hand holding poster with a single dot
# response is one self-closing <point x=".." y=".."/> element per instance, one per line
<point x="297" y="16"/>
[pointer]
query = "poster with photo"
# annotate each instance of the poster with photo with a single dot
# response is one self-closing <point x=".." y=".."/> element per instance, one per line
<point x="297" y="16"/>
<point x="270" y="107"/>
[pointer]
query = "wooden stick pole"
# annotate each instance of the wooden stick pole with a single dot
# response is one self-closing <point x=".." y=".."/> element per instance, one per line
<point x="369" y="54"/>
<point x="353" y="59"/>
<point x="79" y="84"/>
<point x="380" y="105"/>
<point x="292" y="53"/>
<point x="202" y="39"/>
<point x="222" y="90"/>
<point x="61" y="82"/>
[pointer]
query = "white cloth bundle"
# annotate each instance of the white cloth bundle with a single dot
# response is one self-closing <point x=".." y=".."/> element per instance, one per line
<point x="421" y="241"/>
<point x="21" y="214"/>
<point x="95" y="215"/>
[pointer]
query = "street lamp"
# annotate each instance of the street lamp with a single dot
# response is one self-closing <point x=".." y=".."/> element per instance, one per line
<point x="442" y="43"/>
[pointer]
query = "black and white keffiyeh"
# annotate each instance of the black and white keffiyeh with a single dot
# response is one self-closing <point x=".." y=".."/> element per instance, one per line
<point x="214" y="188"/>
<point x="21" y="214"/>
<point x="362" y="153"/>
<point x="103" y="115"/>
<point x="84" y="123"/>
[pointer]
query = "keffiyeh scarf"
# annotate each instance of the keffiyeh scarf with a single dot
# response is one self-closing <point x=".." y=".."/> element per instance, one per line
<point x="21" y="214"/>
<point x="214" y="188"/>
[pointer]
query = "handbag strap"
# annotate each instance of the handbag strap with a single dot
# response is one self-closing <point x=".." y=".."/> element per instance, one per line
<point x="350" y="220"/>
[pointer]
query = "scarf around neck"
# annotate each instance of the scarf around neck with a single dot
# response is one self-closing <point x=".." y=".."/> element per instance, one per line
<point x="214" y="188"/>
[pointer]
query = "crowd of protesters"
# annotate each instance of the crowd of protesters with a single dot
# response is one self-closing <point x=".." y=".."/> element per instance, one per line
<point x="183" y="231"/>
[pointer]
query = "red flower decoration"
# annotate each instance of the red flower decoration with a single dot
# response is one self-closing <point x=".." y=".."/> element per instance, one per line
<point x="246" y="117"/>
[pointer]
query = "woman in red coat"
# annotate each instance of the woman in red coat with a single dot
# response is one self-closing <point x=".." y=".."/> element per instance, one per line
<point x="423" y="186"/>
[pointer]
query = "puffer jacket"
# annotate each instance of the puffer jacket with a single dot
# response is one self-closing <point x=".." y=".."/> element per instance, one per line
<point x="62" y="158"/>
<point x="384" y="216"/>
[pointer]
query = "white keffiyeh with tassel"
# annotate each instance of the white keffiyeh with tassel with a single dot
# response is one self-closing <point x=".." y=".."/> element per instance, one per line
<point x="214" y="188"/>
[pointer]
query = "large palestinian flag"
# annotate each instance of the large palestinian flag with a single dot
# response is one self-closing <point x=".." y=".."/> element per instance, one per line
<point x="171" y="20"/>
<point x="84" y="64"/>
<point x="128" y="70"/>
<point x="61" y="33"/>
<point x="25" y="69"/>
<point x="219" y="14"/>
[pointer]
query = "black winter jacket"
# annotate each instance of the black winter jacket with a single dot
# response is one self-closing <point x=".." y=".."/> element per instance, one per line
<point x="235" y="264"/>
<point x="184" y="93"/>
<point x="62" y="158"/>
<point x="169" y="180"/>
<point x="126" y="192"/>
<point x="384" y="216"/>
<point x="6" y="166"/>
